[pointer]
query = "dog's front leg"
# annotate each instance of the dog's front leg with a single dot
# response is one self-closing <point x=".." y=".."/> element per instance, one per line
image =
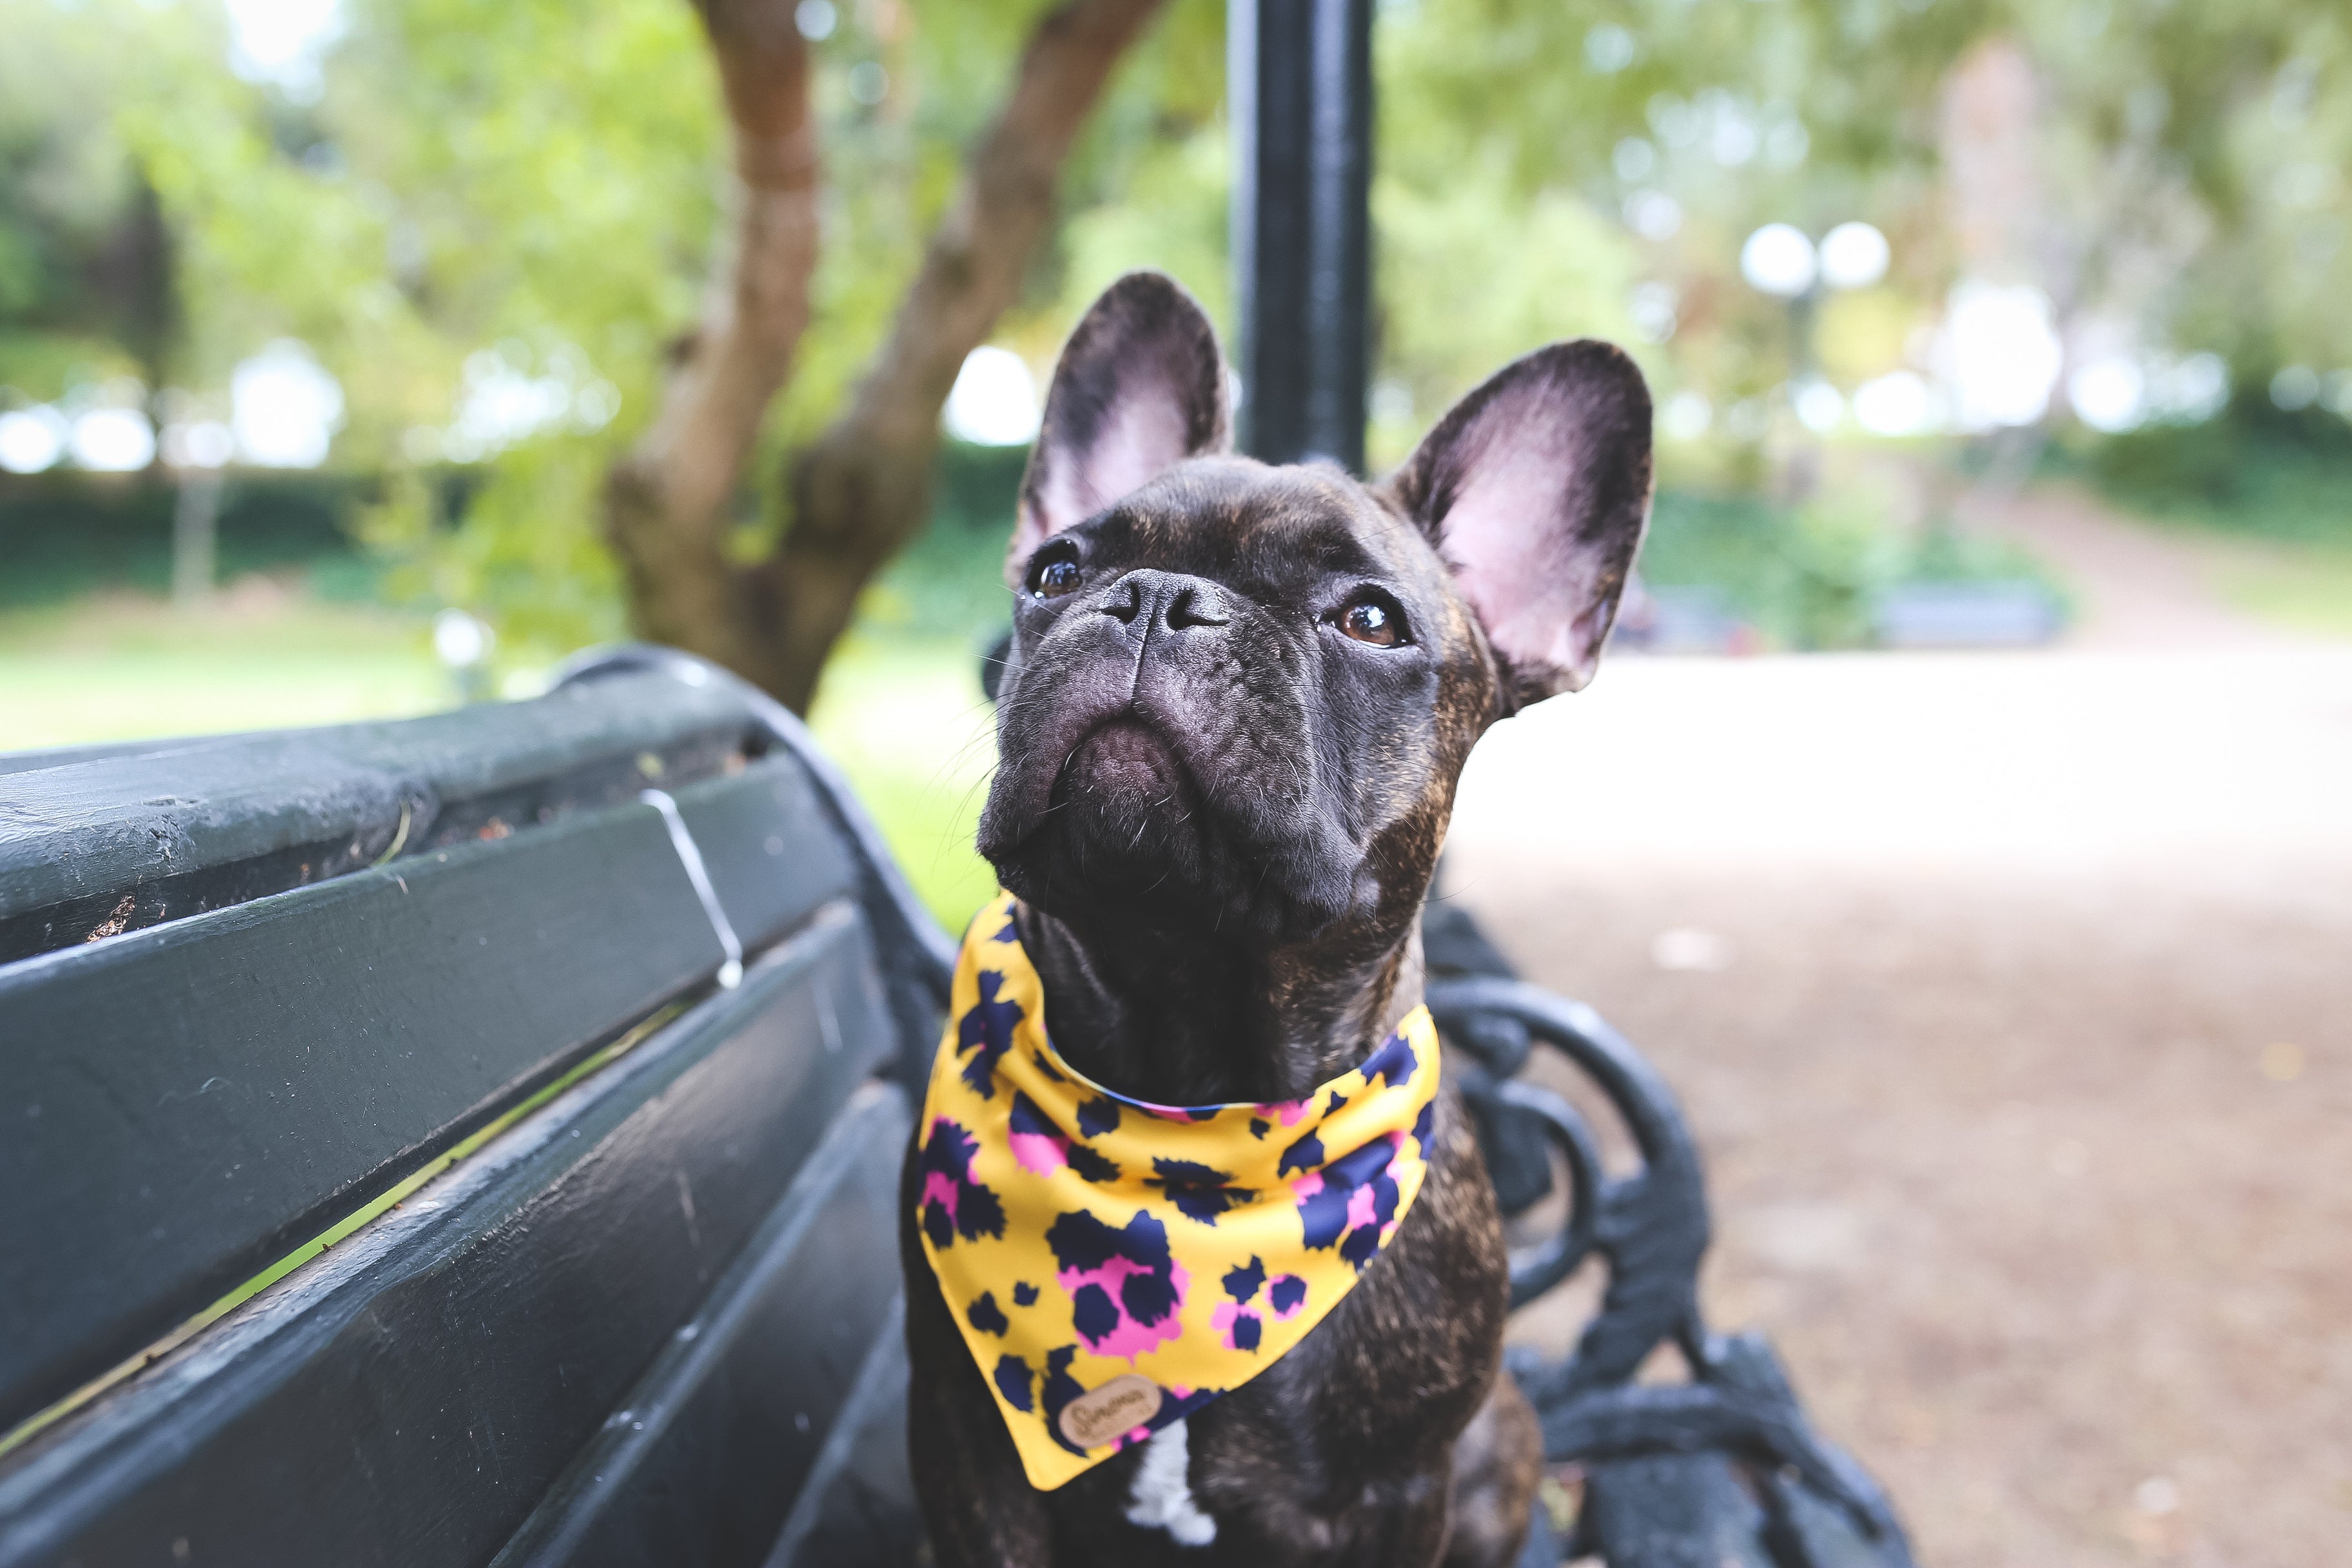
<point x="1497" y="1462"/>
<point x="976" y="1501"/>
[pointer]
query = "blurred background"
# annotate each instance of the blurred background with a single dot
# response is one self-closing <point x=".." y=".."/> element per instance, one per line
<point x="1961" y="822"/>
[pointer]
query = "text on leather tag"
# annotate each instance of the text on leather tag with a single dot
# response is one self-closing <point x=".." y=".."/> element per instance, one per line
<point x="1104" y="1414"/>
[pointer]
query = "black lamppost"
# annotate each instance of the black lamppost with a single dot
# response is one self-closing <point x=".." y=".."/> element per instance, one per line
<point x="1299" y="82"/>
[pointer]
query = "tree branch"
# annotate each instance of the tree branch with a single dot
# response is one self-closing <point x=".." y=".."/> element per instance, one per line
<point x="864" y="488"/>
<point x="666" y="503"/>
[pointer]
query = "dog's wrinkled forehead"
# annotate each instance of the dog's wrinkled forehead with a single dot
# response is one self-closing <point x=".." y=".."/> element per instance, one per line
<point x="1260" y="530"/>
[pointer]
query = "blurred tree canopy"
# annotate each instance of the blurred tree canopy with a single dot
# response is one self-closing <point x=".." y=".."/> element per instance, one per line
<point x="494" y="222"/>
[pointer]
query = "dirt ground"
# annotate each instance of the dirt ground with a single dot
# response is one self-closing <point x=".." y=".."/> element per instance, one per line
<point x="2011" y="997"/>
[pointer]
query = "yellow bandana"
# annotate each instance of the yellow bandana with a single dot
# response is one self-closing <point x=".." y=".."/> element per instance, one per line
<point x="1116" y="1264"/>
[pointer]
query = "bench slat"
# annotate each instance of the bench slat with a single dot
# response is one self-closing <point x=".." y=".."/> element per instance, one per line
<point x="859" y="1508"/>
<point x="187" y="1102"/>
<point x="137" y="835"/>
<point x="712" y="1447"/>
<point x="409" y="1398"/>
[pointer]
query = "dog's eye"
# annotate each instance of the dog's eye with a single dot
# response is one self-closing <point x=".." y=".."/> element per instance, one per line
<point x="1055" y="576"/>
<point x="1373" y="619"/>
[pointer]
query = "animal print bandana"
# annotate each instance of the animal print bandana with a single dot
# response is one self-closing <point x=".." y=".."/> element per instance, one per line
<point x="1116" y="1264"/>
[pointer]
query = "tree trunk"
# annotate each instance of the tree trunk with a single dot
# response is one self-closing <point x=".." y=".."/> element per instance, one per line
<point x="863" y="488"/>
<point x="667" y="501"/>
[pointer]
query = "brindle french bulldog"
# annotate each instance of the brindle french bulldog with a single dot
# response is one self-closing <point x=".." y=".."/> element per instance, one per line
<point x="1237" y="701"/>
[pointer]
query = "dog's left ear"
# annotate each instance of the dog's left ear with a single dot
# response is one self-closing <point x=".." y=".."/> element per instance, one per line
<point x="1535" y="488"/>
<point x="1140" y="387"/>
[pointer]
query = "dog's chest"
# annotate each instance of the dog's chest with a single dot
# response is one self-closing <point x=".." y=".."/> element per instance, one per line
<point x="1342" y="1432"/>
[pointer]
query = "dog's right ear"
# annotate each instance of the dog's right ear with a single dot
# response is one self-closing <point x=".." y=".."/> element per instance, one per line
<point x="1535" y="488"/>
<point x="1140" y="388"/>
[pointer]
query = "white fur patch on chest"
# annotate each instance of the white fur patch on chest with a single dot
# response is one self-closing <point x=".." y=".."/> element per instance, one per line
<point x="1161" y="1497"/>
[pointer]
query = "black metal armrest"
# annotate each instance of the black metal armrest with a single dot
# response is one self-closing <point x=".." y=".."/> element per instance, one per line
<point x="1728" y="1456"/>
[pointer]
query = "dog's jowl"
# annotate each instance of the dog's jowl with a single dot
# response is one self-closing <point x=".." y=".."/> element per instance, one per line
<point x="1201" y="1263"/>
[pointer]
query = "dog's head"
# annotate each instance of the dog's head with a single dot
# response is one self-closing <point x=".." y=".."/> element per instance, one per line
<point x="1238" y="696"/>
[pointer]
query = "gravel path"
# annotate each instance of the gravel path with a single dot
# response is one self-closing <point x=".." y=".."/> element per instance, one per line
<point x="2011" y="998"/>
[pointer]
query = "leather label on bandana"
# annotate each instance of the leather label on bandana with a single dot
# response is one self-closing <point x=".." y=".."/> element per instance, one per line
<point x="1115" y="1265"/>
<point x="1109" y="1413"/>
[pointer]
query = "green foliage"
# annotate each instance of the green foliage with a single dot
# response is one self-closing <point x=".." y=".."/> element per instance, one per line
<point x="1806" y="576"/>
<point x="523" y="541"/>
<point x="2256" y="471"/>
<point x="85" y="259"/>
<point x="1171" y="216"/>
<point x="946" y="588"/>
<point x="1473" y="276"/>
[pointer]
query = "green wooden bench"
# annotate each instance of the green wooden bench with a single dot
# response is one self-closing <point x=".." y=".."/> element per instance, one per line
<point x="558" y="1043"/>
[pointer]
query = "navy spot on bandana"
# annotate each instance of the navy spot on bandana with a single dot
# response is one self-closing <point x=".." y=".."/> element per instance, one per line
<point x="1362" y="1245"/>
<point x="1093" y="1313"/>
<point x="1023" y="1293"/>
<point x="1081" y="1241"/>
<point x="1059" y="1389"/>
<point x="1047" y="1067"/>
<point x="988" y="1027"/>
<point x="1242" y="1283"/>
<point x="1304" y="1156"/>
<point x="1337" y="1099"/>
<point x="1148" y="1298"/>
<point x="1258" y="1126"/>
<point x="1287" y="1293"/>
<point x="1011" y="932"/>
<point x="1394" y="1061"/>
<point x="1027" y="1118"/>
<point x="987" y="1316"/>
<point x="1199" y="1192"/>
<point x="1175" y="1406"/>
<point x="1098" y="1116"/>
<point x="954" y="1203"/>
<point x="1013" y="1377"/>
<point x="1323" y="1214"/>
<point x="1421" y="1126"/>
<point x="1090" y="1165"/>
<point x="1246" y="1329"/>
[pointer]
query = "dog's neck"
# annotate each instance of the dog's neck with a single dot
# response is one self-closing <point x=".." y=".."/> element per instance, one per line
<point x="1179" y="1019"/>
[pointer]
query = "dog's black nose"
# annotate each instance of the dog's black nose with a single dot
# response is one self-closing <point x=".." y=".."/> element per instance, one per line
<point x="1141" y="600"/>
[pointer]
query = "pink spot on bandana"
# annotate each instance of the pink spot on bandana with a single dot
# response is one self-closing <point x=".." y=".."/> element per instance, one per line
<point x="1304" y="1187"/>
<point x="1127" y="1338"/>
<point x="1036" y="1153"/>
<point x="1287" y="1112"/>
<point x="940" y="1188"/>
<point x="1359" y="1208"/>
<point x="1230" y="1313"/>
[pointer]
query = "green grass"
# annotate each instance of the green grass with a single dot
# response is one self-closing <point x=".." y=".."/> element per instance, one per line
<point x="2306" y="588"/>
<point x="124" y="666"/>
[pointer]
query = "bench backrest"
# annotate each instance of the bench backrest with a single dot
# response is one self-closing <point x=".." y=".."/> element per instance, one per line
<point x="611" y="993"/>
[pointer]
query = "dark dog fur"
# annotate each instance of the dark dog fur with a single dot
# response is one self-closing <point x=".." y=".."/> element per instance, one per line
<point x="1221" y="799"/>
